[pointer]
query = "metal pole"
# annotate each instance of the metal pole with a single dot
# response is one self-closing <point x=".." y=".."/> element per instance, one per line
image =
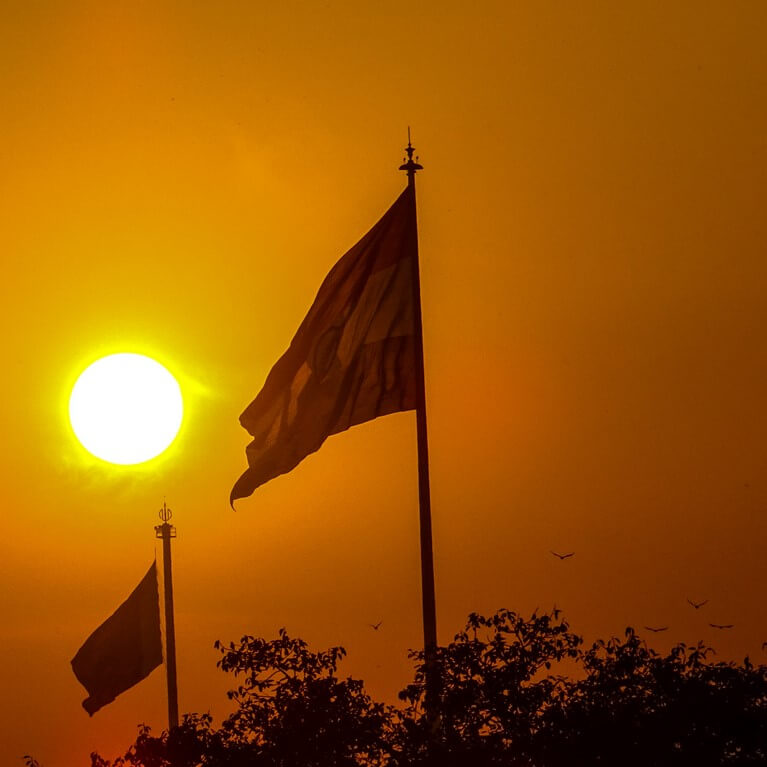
<point x="428" y="598"/>
<point x="167" y="531"/>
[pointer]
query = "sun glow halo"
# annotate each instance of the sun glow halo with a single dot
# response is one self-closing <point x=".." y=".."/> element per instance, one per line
<point x="125" y="408"/>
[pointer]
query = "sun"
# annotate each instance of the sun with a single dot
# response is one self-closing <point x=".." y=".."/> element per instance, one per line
<point x="126" y="408"/>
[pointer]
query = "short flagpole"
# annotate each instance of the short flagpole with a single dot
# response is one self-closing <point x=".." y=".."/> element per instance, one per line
<point x="424" y="496"/>
<point x="167" y="531"/>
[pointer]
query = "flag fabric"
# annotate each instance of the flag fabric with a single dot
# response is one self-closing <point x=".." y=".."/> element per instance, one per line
<point x="124" y="649"/>
<point x="351" y="360"/>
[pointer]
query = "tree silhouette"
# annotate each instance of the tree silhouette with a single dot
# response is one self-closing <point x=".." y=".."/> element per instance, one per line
<point x="292" y="711"/>
<point x="514" y="691"/>
<point x="293" y="707"/>
<point x="637" y="707"/>
<point x="497" y="681"/>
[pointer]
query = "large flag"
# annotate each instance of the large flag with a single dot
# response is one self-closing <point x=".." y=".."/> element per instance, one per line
<point x="352" y="359"/>
<point x="124" y="649"/>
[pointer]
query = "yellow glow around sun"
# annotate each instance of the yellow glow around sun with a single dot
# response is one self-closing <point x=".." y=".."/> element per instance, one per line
<point x="126" y="408"/>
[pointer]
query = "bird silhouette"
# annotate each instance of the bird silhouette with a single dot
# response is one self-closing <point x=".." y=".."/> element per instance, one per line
<point x="375" y="626"/>
<point x="697" y="605"/>
<point x="563" y="556"/>
<point x="721" y="625"/>
<point x="764" y="644"/>
<point x="656" y="630"/>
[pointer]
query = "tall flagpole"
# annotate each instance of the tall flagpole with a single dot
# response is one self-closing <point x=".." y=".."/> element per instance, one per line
<point x="427" y="554"/>
<point x="167" y="531"/>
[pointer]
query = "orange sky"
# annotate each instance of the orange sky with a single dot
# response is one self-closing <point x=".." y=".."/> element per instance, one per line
<point x="178" y="177"/>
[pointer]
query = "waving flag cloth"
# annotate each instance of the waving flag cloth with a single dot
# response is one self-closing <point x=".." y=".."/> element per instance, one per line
<point x="124" y="649"/>
<point x="352" y="359"/>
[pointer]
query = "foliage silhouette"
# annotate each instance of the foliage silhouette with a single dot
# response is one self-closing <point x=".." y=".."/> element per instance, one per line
<point x="497" y="681"/>
<point x="637" y="707"/>
<point x="292" y="710"/>
<point x="514" y="691"/>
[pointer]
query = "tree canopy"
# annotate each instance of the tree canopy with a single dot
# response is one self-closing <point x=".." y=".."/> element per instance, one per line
<point x="512" y="691"/>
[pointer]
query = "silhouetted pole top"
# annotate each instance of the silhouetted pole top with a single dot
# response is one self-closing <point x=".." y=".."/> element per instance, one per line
<point x="408" y="164"/>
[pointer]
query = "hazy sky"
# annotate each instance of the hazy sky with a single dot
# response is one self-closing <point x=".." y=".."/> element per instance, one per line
<point x="177" y="179"/>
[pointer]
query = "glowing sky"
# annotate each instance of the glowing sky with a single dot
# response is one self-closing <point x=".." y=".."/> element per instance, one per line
<point x="178" y="177"/>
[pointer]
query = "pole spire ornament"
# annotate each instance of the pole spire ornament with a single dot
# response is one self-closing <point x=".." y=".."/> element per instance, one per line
<point x="166" y="531"/>
<point x="407" y="162"/>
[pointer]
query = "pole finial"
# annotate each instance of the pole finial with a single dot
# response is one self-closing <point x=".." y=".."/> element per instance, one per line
<point x="165" y="513"/>
<point x="407" y="162"/>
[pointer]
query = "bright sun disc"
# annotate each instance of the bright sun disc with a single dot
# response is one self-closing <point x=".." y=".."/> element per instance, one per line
<point x="125" y="408"/>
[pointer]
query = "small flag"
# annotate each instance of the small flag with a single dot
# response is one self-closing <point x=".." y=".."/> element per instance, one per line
<point x="124" y="649"/>
<point x="352" y="359"/>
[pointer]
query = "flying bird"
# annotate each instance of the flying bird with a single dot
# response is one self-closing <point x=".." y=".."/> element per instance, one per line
<point x="375" y="626"/>
<point x="764" y="644"/>
<point x="563" y="556"/>
<point x="721" y="625"/>
<point x="697" y="605"/>
<point x="656" y="630"/>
